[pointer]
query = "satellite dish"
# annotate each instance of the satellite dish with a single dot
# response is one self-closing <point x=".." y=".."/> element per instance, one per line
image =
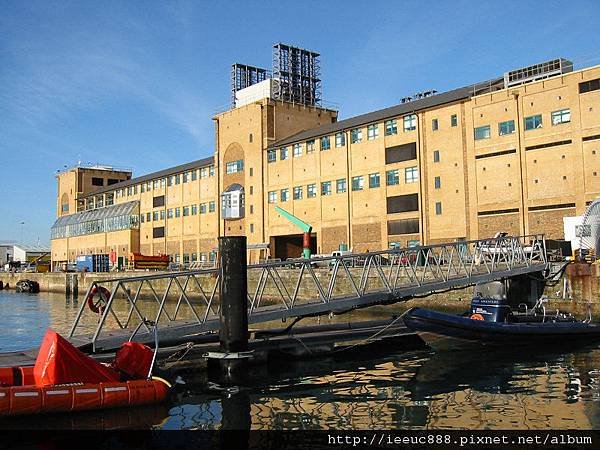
<point x="589" y="230"/>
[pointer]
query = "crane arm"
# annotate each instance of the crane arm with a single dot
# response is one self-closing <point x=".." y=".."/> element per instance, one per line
<point x="306" y="228"/>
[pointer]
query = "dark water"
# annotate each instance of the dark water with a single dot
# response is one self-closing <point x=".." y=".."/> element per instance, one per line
<point x="374" y="387"/>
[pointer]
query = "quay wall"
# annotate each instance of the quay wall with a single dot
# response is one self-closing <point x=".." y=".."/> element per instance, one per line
<point x="582" y="285"/>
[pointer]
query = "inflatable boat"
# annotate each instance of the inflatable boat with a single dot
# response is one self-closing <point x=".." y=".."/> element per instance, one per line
<point x="491" y="321"/>
<point x="64" y="379"/>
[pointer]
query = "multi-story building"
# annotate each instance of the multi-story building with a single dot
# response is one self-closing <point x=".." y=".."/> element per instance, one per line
<point x="514" y="154"/>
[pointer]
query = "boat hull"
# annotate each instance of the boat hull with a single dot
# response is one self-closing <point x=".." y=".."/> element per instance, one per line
<point x="447" y="331"/>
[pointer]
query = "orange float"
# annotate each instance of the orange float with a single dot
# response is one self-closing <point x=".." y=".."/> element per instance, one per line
<point x="64" y="379"/>
<point x="477" y="316"/>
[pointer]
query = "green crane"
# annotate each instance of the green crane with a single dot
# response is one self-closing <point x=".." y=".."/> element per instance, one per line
<point x="306" y="229"/>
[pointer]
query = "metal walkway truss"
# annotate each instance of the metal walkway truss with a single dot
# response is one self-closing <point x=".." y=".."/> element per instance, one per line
<point x="185" y="303"/>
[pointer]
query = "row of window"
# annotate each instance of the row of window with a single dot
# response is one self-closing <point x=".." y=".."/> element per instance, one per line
<point x="411" y="175"/>
<point x="190" y="210"/>
<point x="185" y="177"/>
<point x="530" y="123"/>
<point x="356" y="136"/>
<point x="193" y="257"/>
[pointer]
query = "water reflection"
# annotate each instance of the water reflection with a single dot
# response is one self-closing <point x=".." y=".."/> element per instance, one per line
<point x="372" y="387"/>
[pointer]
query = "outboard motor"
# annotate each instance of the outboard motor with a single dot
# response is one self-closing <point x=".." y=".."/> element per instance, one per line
<point x="489" y="302"/>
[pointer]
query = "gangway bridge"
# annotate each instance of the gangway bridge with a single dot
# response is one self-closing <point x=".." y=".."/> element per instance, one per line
<point x="187" y="303"/>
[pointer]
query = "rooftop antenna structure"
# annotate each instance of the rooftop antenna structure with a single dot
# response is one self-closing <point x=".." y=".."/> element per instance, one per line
<point x="589" y="230"/>
<point x="296" y="72"/>
<point x="243" y="76"/>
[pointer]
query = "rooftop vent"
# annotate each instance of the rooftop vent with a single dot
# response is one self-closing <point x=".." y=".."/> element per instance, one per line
<point x="539" y="71"/>
<point x="418" y="96"/>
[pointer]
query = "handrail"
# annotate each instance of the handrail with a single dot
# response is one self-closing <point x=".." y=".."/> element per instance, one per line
<point x="359" y="279"/>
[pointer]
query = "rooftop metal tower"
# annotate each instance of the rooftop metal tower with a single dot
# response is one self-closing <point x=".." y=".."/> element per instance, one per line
<point x="296" y="72"/>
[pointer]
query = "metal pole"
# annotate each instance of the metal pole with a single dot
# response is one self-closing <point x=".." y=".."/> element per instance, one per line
<point x="233" y="290"/>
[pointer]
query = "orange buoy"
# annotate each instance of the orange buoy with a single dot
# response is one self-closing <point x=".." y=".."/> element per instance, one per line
<point x="477" y="316"/>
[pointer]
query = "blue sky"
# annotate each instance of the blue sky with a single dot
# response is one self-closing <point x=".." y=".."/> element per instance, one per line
<point x="135" y="83"/>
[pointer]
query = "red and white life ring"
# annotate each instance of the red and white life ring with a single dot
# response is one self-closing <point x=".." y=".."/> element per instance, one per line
<point x="103" y="296"/>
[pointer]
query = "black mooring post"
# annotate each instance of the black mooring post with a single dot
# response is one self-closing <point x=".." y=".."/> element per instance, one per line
<point x="233" y="294"/>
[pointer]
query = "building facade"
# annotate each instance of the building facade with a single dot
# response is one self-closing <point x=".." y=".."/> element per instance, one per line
<point x="516" y="154"/>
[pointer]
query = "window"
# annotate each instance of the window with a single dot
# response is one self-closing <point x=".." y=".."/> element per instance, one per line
<point x="283" y="153"/>
<point x="297" y="150"/>
<point x="434" y="124"/>
<point x="340" y="139"/>
<point x="340" y="186"/>
<point x="202" y="208"/>
<point x="112" y="181"/>
<point x="185" y="176"/>
<point x="169" y="213"/>
<point x="453" y="120"/>
<point x="392" y="178"/>
<point x="438" y="208"/>
<point x="325" y="145"/>
<point x="311" y="190"/>
<point x="391" y="127"/>
<point x="211" y="206"/>
<point x="177" y="179"/>
<point x="298" y="193"/>
<point x="326" y="188"/>
<point x="177" y="212"/>
<point x="402" y="203"/>
<point x="410" y="122"/>
<point x="437" y="182"/>
<point x="158" y="232"/>
<point x="186" y="258"/>
<point x="358" y="183"/>
<point x="194" y="210"/>
<point x="372" y="132"/>
<point x="204" y="172"/>
<point x="533" y="122"/>
<point x="310" y="146"/>
<point x="285" y="195"/>
<point x="562" y="116"/>
<point x="399" y="153"/>
<point x="374" y="180"/>
<point x="155" y="215"/>
<point x="142" y="218"/>
<point x="97" y="181"/>
<point x="436" y="156"/>
<point x="148" y="217"/>
<point x="507" y="127"/>
<point x="356" y="135"/>
<point x="272" y="196"/>
<point x="588" y="86"/>
<point x="411" y="175"/>
<point x="170" y="179"/>
<point x="271" y="156"/>
<point x="142" y="188"/>
<point x="186" y="211"/>
<point x="159" y="201"/>
<point x="234" y="166"/>
<point x="129" y="191"/>
<point x="155" y="184"/>
<point x="403" y="226"/>
<point x="482" y="132"/>
<point x="211" y="171"/>
<point x="194" y="175"/>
